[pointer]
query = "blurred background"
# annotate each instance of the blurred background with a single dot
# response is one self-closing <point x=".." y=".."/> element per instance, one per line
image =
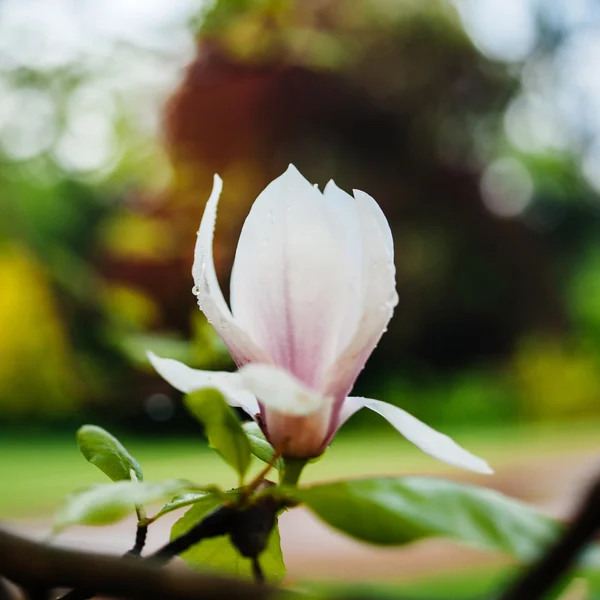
<point x="475" y="124"/>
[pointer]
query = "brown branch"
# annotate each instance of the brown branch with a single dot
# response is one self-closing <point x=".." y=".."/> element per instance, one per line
<point x="140" y="540"/>
<point x="141" y="534"/>
<point x="31" y="563"/>
<point x="248" y="529"/>
<point x="257" y="571"/>
<point x="37" y="592"/>
<point x="560" y="559"/>
<point x="37" y="566"/>
<point x="216" y="523"/>
<point x="5" y="591"/>
<point x="78" y="594"/>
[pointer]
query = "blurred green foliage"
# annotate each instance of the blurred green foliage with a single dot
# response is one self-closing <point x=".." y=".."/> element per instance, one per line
<point x="34" y="352"/>
<point x="497" y="254"/>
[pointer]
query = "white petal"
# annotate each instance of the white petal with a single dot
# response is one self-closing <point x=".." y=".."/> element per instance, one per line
<point x="296" y="419"/>
<point x="379" y="219"/>
<point x="350" y="406"/>
<point x="187" y="380"/>
<point x="379" y="300"/>
<point x="279" y="391"/>
<point x="429" y="440"/>
<point x="296" y="275"/>
<point x="344" y="211"/>
<point x="208" y="291"/>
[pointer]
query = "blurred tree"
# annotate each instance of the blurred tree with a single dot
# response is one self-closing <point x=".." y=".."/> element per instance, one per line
<point x="495" y="221"/>
<point x="36" y="375"/>
<point x="387" y="97"/>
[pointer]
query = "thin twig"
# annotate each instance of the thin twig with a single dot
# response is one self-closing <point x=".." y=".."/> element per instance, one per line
<point x="140" y="541"/>
<point x="261" y="476"/>
<point x="257" y="571"/>
<point x="537" y="581"/>
<point x="216" y="523"/>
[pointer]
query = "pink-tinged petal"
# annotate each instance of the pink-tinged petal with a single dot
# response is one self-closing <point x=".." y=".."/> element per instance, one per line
<point x="429" y="440"/>
<point x="299" y="437"/>
<point x="379" y="301"/>
<point x="209" y="294"/>
<point x="344" y="211"/>
<point x="350" y="406"/>
<point x="188" y="380"/>
<point x="295" y="418"/>
<point x="280" y="391"/>
<point x="296" y="275"/>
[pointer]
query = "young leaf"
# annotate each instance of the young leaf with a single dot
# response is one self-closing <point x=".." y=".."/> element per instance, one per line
<point x="110" y="502"/>
<point x="398" y="511"/>
<point x="106" y="452"/>
<point x="180" y="501"/>
<point x="218" y="554"/>
<point x="222" y="428"/>
<point x="189" y="498"/>
<point x="259" y="446"/>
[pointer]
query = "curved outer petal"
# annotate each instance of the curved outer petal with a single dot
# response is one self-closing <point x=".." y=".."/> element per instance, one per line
<point x="296" y="419"/>
<point x="296" y="274"/>
<point x="280" y="391"/>
<point x="344" y="211"/>
<point x="187" y="380"/>
<point x="208" y="291"/>
<point x="379" y="300"/>
<point x="429" y="440"/>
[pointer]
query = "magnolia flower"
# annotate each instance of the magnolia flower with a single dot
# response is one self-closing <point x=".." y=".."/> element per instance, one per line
<point x="312" y="291"/>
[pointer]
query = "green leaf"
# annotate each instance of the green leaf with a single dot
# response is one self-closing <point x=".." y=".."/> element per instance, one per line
<point x="106" y="452"/>
<point x="134" y="346"/>
<point x="218" y="554"/>
<point x="259" y="446"/>
<point x="180" y="501"/>
<point x="222" y="428"/>
<point x="188" y="498"/>
<point x="110" y="502"/>
<point x="398" y="511"/>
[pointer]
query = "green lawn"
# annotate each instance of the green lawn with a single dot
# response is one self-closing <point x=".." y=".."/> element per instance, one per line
<point x="37" y="471"/>
<point x="482" y="584"/>
<point x="479" y="583"/>
<point x="470" y="584"/>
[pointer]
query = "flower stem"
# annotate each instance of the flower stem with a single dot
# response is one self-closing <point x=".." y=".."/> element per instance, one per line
<point x="291" y="470"/>
<point x="257" y="571"/>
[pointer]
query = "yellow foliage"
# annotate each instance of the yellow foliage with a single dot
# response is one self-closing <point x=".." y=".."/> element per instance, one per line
<point x="36" y="367"/>
<point x="555" y="380"/>
<point x="129" y="306"/>
<point x="131" y="236"/>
